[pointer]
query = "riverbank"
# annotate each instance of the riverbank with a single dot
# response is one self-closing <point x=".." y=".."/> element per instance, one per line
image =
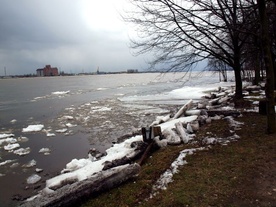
<point x="237" y="173"/>
<point x="240" y="174"/>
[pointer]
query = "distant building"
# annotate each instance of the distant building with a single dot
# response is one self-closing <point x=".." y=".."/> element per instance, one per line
<point x="132" y="71"/>
<point x="47" y="71"/>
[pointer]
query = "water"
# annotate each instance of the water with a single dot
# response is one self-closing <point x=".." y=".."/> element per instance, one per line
<point x="103" y="107"/>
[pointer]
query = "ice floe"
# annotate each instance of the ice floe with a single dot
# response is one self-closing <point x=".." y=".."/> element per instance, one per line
<point x="45" y="151"/>
<point x="22" y="151"/>
<point x="2" y="136"/>
<point x="10" y="147"/>
<point x="33" y="179"/>
<point x="33" y="128"/>
<point x="60" y="92"/>
<point x="30" y="164"/>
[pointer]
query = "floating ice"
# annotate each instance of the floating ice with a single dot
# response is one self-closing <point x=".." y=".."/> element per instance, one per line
<point x="60" y="92"/>
<point x="30" y="164"/>
<point x="22" y="151"/>
<point x="38" y="170"/>
<point x="2" y="136"/>
<point x="33" y="179"/>
<point x="22" y="139"/>
<point x="8" y="141"/>
<point x="11" y="146"/>
<point x="13" y="121"/>
<point x="68" y="117"/>
<point x="46" y="151"/>
<point x="50" y="134"/>
<point x="61" y="130"/>
<point x="6" y="162"/>
<point x="100" y="109"/>
<point x="69" y="125"/>
<point x="33" y="128"/>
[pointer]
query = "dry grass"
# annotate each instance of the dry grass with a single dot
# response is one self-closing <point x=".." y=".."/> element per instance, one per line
<point x="240" y="174"/>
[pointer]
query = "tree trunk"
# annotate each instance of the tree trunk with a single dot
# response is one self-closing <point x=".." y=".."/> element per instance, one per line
<point x="257" y="65"/>
<point x="238" y="94"/>
<point x="271" y="124"/>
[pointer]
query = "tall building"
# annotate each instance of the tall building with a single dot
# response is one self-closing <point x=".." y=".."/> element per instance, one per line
<point x="47" y="71"/>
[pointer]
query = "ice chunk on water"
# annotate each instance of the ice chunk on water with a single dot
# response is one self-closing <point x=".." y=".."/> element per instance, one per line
<point x="61" y="130"/>
<point x="8" y="141"/>
<point x="6" y="162"/>
<point x="46" y="151"/>
<point x="33" y="179"/>
<point x="60" y="92"/>
<point x="2" y="136"/>
<point x="30" y="164"/>
<point x="33" y="128"/>
<point x="22" y="151"/>
<point x="11" y="146"/>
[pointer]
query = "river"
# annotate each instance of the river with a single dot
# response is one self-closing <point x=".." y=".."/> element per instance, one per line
<point x="77" y="113"/>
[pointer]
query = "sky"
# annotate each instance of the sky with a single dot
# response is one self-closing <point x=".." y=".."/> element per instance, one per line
<point x="73" y="35"/>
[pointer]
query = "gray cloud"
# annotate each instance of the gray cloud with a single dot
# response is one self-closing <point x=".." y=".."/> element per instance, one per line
<point x="34" y="33"/>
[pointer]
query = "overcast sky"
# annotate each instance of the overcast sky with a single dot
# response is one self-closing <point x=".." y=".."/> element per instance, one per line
<point x="73" y="35"/>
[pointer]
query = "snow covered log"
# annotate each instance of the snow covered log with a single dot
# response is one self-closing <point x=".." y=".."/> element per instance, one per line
<point x="172" y="137"/>
<point x="71" y="195"/>
<point x="183" y="109"/>
<point x="181" y="131"/>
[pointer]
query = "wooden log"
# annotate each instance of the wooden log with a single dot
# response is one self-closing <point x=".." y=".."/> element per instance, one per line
<point x="146" y="153"/>
<point x="181" y="131"/>
<point x="74" y="194"/>
<point x="184" y="108"/>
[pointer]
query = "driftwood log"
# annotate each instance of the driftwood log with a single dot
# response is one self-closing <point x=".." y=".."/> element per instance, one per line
<point x="71" y="195"/>
<point x="183" y="109"/>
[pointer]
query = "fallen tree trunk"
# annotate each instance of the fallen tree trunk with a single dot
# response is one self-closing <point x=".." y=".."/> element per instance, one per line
<point x="73" y="194"/>
<point x="183" y="109"/>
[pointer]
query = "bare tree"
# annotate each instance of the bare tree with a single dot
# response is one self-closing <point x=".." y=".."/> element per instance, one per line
<point x="220" y="67"/>
<point x="184" y="32"/>
<point x="266" y="42"/>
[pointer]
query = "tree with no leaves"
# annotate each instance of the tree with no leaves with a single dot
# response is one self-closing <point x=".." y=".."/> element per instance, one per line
<point x="185" y="32"/>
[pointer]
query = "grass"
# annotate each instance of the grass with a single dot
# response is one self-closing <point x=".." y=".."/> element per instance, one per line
<point x="240" y="174"/>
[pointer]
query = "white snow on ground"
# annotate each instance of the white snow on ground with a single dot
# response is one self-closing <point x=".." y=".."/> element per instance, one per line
<point x="167" y="176"/>
<point x="83" y="168"/>
<point x="33" y="128"/>
<point x="183" y="120"/>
